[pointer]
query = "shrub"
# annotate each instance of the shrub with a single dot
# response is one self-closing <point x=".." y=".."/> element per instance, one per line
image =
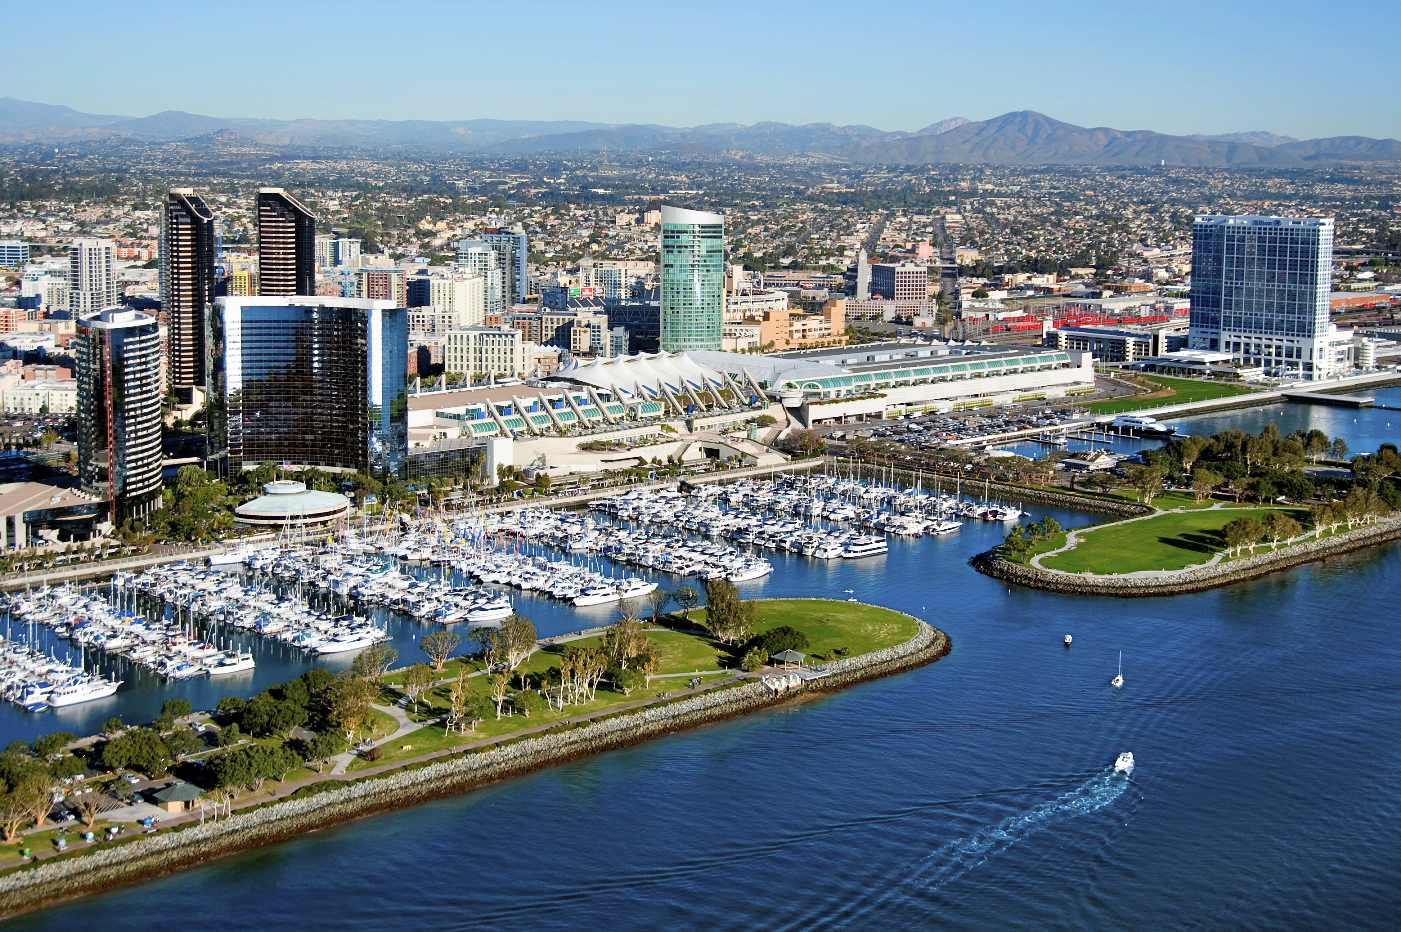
<point x="374" y="754"/>
<point x="754" y="659"/>
<point x="777" y="640"/>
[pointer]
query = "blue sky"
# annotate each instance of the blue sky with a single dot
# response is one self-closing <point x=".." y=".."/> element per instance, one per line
<point x="1302" y="69"/>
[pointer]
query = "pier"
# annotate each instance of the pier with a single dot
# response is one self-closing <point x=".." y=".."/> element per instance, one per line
<point x="1319" y="398"/>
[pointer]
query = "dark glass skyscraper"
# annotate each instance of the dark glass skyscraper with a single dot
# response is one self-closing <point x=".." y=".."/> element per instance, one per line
<point x="119" y="410"/>
<point x="187" y="287"/>
<point x="286" y="245"/>
<point x="315" y="381"/>
<point x="693" y="279"/>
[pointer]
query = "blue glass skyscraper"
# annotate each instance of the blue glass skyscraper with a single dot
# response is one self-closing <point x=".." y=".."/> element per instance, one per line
<point x="1260" y="289"/>
<point x="693" y="280"/>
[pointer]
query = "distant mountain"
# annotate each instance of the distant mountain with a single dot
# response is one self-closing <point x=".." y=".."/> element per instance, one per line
<point x="1257" y="138"/>
<point x="1020" y="138"/>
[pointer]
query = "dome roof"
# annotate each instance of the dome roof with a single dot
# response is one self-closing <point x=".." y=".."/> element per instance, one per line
<point x="285" y="500"/>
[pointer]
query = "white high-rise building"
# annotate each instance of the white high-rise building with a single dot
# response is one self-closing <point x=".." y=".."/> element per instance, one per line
<point x="477" y="258"/>
<point x="462" y="295"/>
<point x="92" y="276"/>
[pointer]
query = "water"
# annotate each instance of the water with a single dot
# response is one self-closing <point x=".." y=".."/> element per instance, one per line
<point x="975" y="792"/>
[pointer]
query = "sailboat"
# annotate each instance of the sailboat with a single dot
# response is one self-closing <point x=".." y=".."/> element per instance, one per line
<point x="1119" y="677"/>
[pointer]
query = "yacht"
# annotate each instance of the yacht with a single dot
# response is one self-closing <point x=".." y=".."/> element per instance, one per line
<point x="1124" y="762"/>
<point x="83" y="691"/>
<point x="1141" y="424"/>
<point x="351" y="640"/>
<point x="231" y="661"/>
<point x="944" y="526"/>
<point x="865" y="547"/>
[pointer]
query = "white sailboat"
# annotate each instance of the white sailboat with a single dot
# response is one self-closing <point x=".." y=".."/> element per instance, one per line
<point x="1119" y="677"/>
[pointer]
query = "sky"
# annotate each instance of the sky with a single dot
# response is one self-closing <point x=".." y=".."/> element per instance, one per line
<point x="1302" y="69"/>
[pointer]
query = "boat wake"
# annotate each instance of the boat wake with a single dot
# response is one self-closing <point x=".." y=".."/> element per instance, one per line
<point x="954" y="859"/>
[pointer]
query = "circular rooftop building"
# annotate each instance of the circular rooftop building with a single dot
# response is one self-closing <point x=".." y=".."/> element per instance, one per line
<point x="286" y="502"/>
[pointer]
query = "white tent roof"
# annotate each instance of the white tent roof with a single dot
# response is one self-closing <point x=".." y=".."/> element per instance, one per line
<point x="622" y="375"/>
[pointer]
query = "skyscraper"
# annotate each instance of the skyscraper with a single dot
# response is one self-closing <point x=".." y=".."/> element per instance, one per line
<point x="286" y="245"/>
<point x="1260" y="290"/>
<point x="187" y="287"/>
<point x="119" y="410"/>
<point x="315" y="381"/>
<point x="92" y="276"/>
<point x="693" y="279"/>
<point x="477" y="258"/>
<point x="512" y="250"/>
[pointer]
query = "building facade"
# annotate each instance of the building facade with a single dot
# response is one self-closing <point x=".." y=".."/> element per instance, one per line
<point x="480" y="352"/>
<point x="92" y="276"/>
<point x="512" y="250"/>
<point x="693" y="280"/>
<point x="119" y="410"/>
<point x="187" y="256"/>
<point x="382" y="285"/>
<point x="315" y="381"/>
<point x="1260" y="289"/>
<point x="286" y="245"/>
<point x="904" y="282"/>
<point x="474" y="257"/>
<point x="13" y="253"/>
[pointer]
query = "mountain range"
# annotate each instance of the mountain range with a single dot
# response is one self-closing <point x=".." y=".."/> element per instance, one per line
<point x="1019" y="138"/>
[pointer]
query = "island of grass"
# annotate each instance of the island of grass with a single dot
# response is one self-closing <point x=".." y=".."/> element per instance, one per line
<point x="684" y="649"/>
<point x="1168" y="391"/>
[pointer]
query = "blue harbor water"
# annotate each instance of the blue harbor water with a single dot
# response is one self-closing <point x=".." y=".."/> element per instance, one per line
<point x="975" y="792"/>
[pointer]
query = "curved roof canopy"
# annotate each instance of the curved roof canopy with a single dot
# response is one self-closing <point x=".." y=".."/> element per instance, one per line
<point x="623" y="376"/>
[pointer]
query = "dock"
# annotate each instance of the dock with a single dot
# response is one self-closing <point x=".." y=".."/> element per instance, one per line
<point x="1319" y="398"/>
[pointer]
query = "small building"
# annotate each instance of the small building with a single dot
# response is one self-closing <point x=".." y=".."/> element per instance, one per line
<point x="177" y="797"/>
<point x="285" y="502"/>
<point x="1092" y="461"/>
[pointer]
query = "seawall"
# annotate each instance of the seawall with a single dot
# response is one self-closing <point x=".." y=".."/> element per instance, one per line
<point x="54" y="880"/>
<point x="1195" y="579"/>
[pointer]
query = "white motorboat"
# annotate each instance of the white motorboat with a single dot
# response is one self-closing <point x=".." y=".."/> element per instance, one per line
<point x="1119" y="677"/>
<point x="865" y="547"/>
<point x="1068" y="639"/>
<point x="231" y="661"/>
<point x="1124" y="762"/>
<point x="358" y="640"/>
<point x="83" y="691"/>
<point x="1141" y="424"/>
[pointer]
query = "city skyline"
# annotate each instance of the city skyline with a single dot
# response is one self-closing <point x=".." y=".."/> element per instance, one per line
<point x="1096" y="64"/>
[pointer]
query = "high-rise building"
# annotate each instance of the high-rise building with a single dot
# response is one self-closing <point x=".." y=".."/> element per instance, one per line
<point x="1260" y="289"/>
<point x="904" y="282"/>
<point x="512" y="250"/>
<point x="286" y="245"/>
<point x="693" y="279"/>
<point x="315" y="381"/>
<point x="13" y="253"/>
<point x="92" y="276"/>
<point x="187" y="287"/>
<point x="477" y="258"/>
<point x="458" y="294"/>
<point x="382" y="285"/>
<point x="119" y="409"/>
<point x="337" y="252"/>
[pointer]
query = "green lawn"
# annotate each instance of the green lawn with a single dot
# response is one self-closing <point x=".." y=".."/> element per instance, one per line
<point x="1171" y="541"/>
<point x="1182" y="391"/>
<point x="828" y="625"/>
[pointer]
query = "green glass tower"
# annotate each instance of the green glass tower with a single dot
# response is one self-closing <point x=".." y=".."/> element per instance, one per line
<point x="693" y="279"/>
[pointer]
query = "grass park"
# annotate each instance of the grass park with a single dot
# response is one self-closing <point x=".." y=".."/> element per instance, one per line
<point x="683" y="649"/>
<point x="1168" y="391"/>
<point x="1171" y="540"/>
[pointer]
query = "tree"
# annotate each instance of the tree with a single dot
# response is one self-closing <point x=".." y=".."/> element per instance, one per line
<point x="528" y="702"/>
<point x="754" y="659"/>
<point x="1279" y="526"/>
<point x="626" y="680"/>
<point x="266" y="716"/>
<point x="439" y="646"/>
<point x="777" y="640"/>
<point x="1204" y="482"/>
<point x="517" y="639"/>
<point x="182" y="742"/>
<point x="624" y="640"/>
<point x="457" y="702"/>
<point x="1188" y="449"/>
<point x="46" y="746"/>
<point x="88" y="805"/>
<point x="498" y="687"/>
<point x="140" y="749"/>
<point x="175" y="708"/>
<point x="657" y="600"/>
<point x="349" y="705"/>
<point x="1243" y="532"/>
<point x="724" y="614"/>
<point x="374" y="662"/>
<point x="1339" y="448"/>
<point x="230" y="735"/>
<point x="1147" y="481"/>
<point x="687" y="598"/>
<point x="804" y="443"/>
<point x="113" y="726"/>
<point x="417" y="679"/>
<point x="322" y="747"/>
